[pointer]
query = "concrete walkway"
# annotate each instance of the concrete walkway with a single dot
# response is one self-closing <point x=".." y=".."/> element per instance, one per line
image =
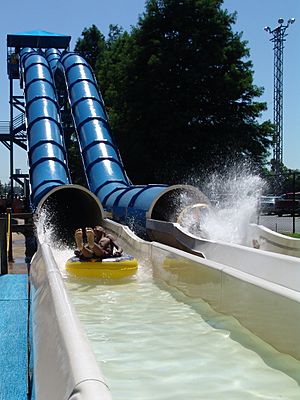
<point x="13" y="326"/>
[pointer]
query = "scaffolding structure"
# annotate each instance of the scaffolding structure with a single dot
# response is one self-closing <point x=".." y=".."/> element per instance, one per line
<point x="13" y="132"/>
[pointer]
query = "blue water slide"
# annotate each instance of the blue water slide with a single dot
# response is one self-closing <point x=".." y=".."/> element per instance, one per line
<point x="53" y="56"/>
<point x="103" y="165"/>
<point x="51" y="186"/>
<point x="46" y="152"/>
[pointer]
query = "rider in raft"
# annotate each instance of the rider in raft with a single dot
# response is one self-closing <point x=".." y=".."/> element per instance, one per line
<point x="99" y="244"/>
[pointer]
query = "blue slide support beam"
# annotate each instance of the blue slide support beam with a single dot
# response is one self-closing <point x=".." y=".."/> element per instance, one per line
<point x="46" y="150"/>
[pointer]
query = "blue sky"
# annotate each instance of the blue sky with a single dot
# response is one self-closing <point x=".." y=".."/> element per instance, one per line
<point x="71" y="17"/>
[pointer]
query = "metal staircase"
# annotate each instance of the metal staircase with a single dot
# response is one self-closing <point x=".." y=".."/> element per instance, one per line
<point x="18" y="135"/>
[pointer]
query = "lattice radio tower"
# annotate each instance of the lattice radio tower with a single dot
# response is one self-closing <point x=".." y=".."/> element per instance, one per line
<point x="278" y="38"/>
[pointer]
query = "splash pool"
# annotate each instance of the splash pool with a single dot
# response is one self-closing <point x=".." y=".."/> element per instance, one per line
<point x="151" y="341"/>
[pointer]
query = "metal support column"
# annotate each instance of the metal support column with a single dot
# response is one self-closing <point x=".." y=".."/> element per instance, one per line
<point x="278" y="38"/>
<point x="11" y="133"/>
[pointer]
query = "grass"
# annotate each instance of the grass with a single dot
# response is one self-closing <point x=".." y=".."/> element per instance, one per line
<point x="293" y="235"/>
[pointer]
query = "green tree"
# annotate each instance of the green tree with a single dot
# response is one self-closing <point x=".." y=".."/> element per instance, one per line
<point x="180" y="92"/>
<point x="288" y="180"/>
<point x="91" y="45"/>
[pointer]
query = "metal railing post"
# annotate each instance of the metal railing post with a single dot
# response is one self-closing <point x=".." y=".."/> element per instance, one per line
<point x="294" y="201"/>
<point x="3" y="246"/>
<point x="9" y="236"/>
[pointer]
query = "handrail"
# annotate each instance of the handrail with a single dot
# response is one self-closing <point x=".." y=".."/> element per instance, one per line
<point x="4" y="127"/>
<point x="19" y="120"/>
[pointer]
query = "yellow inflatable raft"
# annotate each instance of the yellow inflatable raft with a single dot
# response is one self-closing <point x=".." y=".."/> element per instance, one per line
<point x="108" y="268"/>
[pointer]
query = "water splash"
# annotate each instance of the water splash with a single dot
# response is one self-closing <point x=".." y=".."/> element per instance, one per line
<point x="234" y="197"/>
<point x="46" y="235"/>
<point x="48" y="229"/>
<point x="44" y="229"/>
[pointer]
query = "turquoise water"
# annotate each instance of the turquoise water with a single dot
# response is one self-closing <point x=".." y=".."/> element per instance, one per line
<point x="152" y="342"/>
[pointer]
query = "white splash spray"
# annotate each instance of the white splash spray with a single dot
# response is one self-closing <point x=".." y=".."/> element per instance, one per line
<point x="43" y="227"/>
<point x="234" y="197"/>
<point x="45" y="232"/>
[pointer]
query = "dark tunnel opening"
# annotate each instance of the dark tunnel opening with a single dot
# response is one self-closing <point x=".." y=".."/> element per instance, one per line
<point x="169" y="205"/>
<point x="68" y="208"/>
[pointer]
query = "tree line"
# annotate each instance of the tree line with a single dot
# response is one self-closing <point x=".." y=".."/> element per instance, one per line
<point x="179" y="91"/>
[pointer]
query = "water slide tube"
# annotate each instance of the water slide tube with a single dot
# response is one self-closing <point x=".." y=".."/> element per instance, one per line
<point x="105" y="172"/>
<point x="49" y="174"/>
<point x="47" y="158"/>
<point x="53" y="56"/>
